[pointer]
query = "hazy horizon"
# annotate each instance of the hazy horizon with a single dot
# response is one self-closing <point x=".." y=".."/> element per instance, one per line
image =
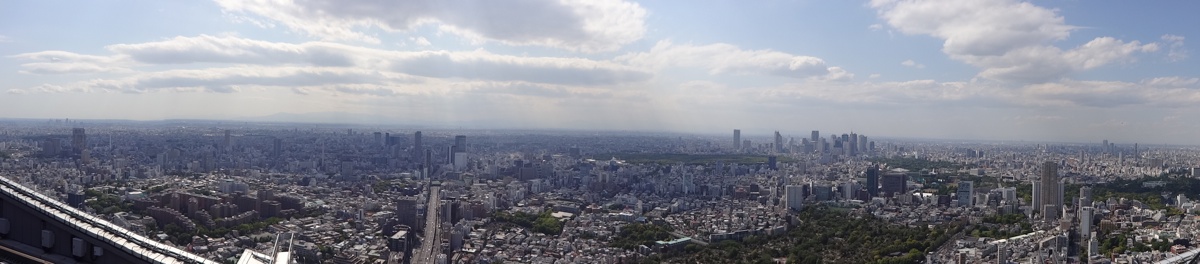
<point x="1053" y="71"/>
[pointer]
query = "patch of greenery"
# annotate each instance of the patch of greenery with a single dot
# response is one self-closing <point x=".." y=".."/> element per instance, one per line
<point x="634" y="235"/>
<point x="829" y="236"/>
<point x="542" y="223"/>
<point x="106" y="203"/>
<point x="914" y="164"/>
<point x="1005" y="219"/>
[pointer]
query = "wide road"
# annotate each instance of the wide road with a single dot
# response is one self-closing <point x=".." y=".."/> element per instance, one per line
<point x="431" y="244"/>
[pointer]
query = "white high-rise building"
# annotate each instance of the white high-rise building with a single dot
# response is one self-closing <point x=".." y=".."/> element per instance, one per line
<point x="849" y="189"/>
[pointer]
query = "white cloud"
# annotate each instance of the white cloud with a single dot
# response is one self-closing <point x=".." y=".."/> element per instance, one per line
<point x="1011" y="40"/>
<point x="587" y="26"/>
<point x="913" y="64"/>
<point x="1175" y="50"/>
<point x="875" y="27"/>
<point x="479" y="65"/>
<point x="421" y="41"/>
<point x="1107" y="94"/>
<point x="1174" y="81"/>
<point x="230" y="78"/>
<point x="874" y="76"/>
<point x="725" y="58"/>
<point x="16" y="91"/>
<point x="62" y="62"/>
<point x="4" y="39"/>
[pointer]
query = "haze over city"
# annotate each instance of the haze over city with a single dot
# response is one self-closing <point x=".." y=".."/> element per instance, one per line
<point x="1011" y="70"/>
<point x="605" y="131"/>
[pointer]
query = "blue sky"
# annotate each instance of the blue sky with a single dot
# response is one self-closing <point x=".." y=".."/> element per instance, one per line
<point x="977" y="69"/>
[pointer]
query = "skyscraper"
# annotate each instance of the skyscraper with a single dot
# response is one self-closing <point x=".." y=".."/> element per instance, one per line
<point x="1085" y="196"/>
<point x="277" y="147"/>
<point x="862" y="143"/>
<point x="795" y="197"/>
<point x="1051" y="192"/>
<point x="78" y="140"/>
<point x="460" y="143"/>
<point x="894" y="183"/>
<point x="852" y="149"/>
<point x="815" y="135"/>
<point x="418" y="150"/>
<point x="1085" y="220"/>
<point x="778" y="142"/>
<point x="1037" y="201"/>
<point x="737" y="139"/>
<point x="873" y="181"/>
<point x="966" y="190"/>
<point x="227" y="143"/>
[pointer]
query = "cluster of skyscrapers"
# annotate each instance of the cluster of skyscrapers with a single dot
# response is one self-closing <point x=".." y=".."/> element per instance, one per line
<point x="846" y="144"/>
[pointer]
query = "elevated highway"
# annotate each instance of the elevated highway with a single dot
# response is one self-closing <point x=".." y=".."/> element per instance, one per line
<point x="38" y="229"/>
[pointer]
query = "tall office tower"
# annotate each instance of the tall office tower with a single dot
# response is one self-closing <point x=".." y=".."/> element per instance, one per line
<point x="795" y="197"/>
<point x="1105" y="149"/>
<point x="1037" y="202"/>
<point x="428" y="160"/>
<point x="966" y="190"/>
<point x="418" y="150"/>
<point x="1085" y="220"/>
<point x="78" y="140"/>
<point x="1135" y="151"/>
<point x="815" y="135"/>
<point x="1085" y="196"/>
<point x="378" y="138"/>
<point x="852" y="149"/>
<point x="1051" y="192"/>
<point x="460" y="143"/>
<point x="51" y="147"/>
<point x="406" y="211"/>
<point x="277" y="147"/>
<point x="862" y="143"/>
<point x="778" y="142"/>
<point x="894" y="183"/>
<point x="227" y="143"/>
<point x="737" y="139"/>
<point x="845" y="138"/>
<point x="873" y="181"/>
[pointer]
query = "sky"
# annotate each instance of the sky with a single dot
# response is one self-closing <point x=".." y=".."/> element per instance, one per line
<point x="1067" y="70"/>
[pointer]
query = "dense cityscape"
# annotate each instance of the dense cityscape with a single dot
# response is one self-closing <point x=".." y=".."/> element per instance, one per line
<point x="228" y="191"/>
<point x="599" y="131"/>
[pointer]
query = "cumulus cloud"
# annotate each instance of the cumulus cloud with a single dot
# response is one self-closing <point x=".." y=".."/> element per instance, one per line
<point x="1173" y="81"/>
<point x="1175" y="50"/>
<point x="63" y="62"/>
<point x="573" y="25"/>
<point x="482" y="65"/>
<point x="1106" y="94"/>
<point x="913" y="64"/>
<point x="227" y="80"/>
<point x="725" y="58"/>
<point x="915" y="92"/>
<point x="421" y="41"/>
<point x="1011" y="40"/>
<point x="475" y="65"/>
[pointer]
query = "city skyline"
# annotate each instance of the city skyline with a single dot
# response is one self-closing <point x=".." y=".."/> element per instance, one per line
<point x="1037" y="71"/>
